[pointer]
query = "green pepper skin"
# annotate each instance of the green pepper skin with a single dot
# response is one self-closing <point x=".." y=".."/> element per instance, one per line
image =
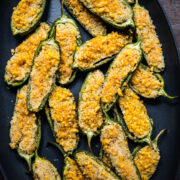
<point x="107" y="107"/>
<point x="71" y="12"/>
<point x="21" y="82"/>
<point x="63" y="20"/>
<point x="98" y="160"/>
<point x="33" y="26"/>
<point x="30" y="108"/>
<point x="154" y="146"/>
<point x="160" y="92"/>
<point x="28" y="158"/>
<point x="109" y="121"/>
<point x="89" y="134"/>
<point x="120" y="119"/>
<point x="128" y="23"/>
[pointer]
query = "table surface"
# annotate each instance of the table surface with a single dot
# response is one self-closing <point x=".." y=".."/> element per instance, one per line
<point x="172" y="9"/>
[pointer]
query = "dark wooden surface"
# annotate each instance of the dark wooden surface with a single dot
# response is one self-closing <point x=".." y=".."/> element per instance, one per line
<point x="172" y="9"/>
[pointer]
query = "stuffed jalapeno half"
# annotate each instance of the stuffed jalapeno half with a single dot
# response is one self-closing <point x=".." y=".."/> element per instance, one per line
<point x="119" y="73"/>
<point x="133" y="117"/>
<point x="115" y="146"/>
<point x="26" y="16"/>
<point x="19" y="66"/>
<point x="71" y="170"/>
<point x="94" y="25"/>
<point x="90" y="115"/>
<point x="99" y="50"/>
<point x="43" y="74"/>
<point x="25" y="129"/>
<point x="61" y="115"/>
<point x="147" y="158"/>
<point x="147" y="83"/>
<point x="145" y="30"/>
<point x="68" y="36"/>
<point x="93" y="168"/>
<point x="117" y="13"/>
<point x="43" y="169"/>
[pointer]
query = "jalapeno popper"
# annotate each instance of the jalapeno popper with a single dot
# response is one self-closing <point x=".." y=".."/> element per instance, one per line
<point x="61" y="114"/>
<point x="115" y="145"/>
<point x="105" y="158"/>
<point x="44" y="170"/>
<point x="117" y="13"/>
<point x="93" y="168"/>
<point x="119" y="73"/>
<point x="26" y="16"/>
<point x="147" y="83"/>
<point x="147" y="158"/>
<point x="94" y="25"/>
<point x="134" y="118"/>
<point x="99" y="50"/>
<point x="19" y="66"/>
<point x="25" y="130"/>
<point x="42" y="77"/>
<point x="150" y="42"/>
<point x="68" y="36"/>
<point x="90" y="115"/>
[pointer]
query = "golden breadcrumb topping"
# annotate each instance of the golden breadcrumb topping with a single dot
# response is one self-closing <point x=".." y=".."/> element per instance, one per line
<point x="134" y="114"/>
<point x="122" y="66"/>
<point x="144" y="82"/>
<point x="92" y="169"/>
<point x="23" y="131"/>
<point x="150" y="41"/>
<point x="90" y="113"/>
<point x="146" y="161"/>
<point x="26" y="13"/>
<point x="41" y="77"/>
<point x="115" y="145"/>
<point x="87" y="19"/>
<point x="112" y="10"/>
<point x="71" y="171"/>
<point x="44" y="170"/>
<point x="20" y="63"/>
<point x="99" y="48"/>
<point x="66" y="35"/>
<point x="63" y="113"/>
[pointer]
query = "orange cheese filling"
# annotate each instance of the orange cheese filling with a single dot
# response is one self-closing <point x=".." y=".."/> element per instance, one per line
<point x="134" y="114"/>
<point x="87" y="19"/>
<point x="150" y="41"/>
<point x="66" y="35"/>
<point x="144" y="82"/>
<point x="23" y="129"/>
<point x="26" y="13"/>
<point x="146" y="161"/>
<point x="71" y="171"/>
<point x="113" y="10"/>
<point x="90" y="113"/>
<point x="20" y="63"/>
<point x="62" y="109"/>
<point x="124" y="63"/>
<point x="99" y="48"/>
<point x="115" y="145"/>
